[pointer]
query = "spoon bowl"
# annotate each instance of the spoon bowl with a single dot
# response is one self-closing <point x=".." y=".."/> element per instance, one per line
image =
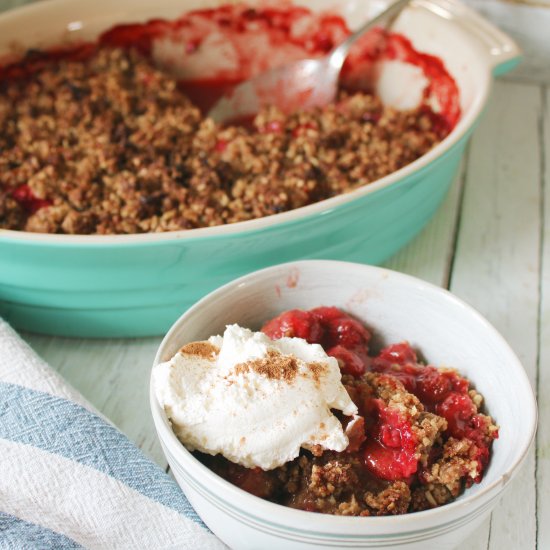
<point x="299" y="85"/>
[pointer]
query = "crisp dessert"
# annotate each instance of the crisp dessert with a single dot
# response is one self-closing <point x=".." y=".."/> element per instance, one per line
<point x="305" y="415"/>
<point x="97" y="140"/>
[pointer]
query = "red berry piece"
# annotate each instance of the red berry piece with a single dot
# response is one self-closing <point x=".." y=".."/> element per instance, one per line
<point x="326" y="314"/>
<point x="460" y="385"/>
<point x="394" y="430"/>
<point x="322" y="42"/>
<point x="28" y="200"/>
<point x="399" y="354"/>
<point x="390" y="436"/>
<point x="347" y="332"/>
<point x="294" y="324"/>
<point x="389" y="463"/>
<point x="457" y="409"/>
<point x="341" y="329"/>
<point x="350" y="362"/>
<point x="432" y="386"/>
<point x="390" y="452"/>
<point x="221" y="145"/>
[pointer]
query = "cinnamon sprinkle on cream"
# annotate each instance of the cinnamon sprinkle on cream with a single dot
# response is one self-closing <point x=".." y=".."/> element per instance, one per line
<point x="274" y="366"/>
<point x="317" y="371"/>
<point x="204" y="349"/>
<point x="277" y="366"/>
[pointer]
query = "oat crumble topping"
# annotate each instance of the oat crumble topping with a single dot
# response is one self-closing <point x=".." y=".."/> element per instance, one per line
<point x="110" y="145"/>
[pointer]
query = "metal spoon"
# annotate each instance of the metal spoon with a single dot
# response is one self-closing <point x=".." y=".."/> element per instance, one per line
<point x="301" y="84"/>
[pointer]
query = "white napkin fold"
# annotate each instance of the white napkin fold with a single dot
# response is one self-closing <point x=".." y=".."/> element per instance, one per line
<point x="70" y="479"/>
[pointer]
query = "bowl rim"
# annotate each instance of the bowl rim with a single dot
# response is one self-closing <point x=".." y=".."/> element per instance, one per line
<point x="465" y="124"/>
<point x="248" y="502"/>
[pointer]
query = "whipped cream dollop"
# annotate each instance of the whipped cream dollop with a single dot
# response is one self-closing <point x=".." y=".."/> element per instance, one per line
<point x="255" y="400"/>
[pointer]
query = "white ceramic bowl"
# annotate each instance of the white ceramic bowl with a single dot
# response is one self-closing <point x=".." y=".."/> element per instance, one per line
<point x="397" y="307"/>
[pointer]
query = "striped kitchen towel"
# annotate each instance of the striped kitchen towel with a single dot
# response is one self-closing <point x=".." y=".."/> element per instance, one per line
<point x="70" y="479"/>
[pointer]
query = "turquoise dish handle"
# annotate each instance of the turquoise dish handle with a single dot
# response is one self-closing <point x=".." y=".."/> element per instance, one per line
<point x="502" y="51"/>
<point x="506" y="66"/>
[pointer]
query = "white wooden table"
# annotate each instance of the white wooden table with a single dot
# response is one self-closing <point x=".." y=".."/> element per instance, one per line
<point x="489" y="244"/>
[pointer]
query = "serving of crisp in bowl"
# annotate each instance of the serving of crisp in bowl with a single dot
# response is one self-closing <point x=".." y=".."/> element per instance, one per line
<point x="445" y="411"/>
<point x="121" y="204"/>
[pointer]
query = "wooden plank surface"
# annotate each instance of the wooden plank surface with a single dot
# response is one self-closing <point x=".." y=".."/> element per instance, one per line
<point x="543" y="382"/>
<point x="497" y="260"/>
<point x="489" y="242"/>
<point x="495" y="267"/>
<point x="114" y="376"/>
<point x="430" y="255"/>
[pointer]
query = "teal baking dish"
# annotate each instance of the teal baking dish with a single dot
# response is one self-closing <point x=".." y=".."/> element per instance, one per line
<point x="137" y="285"/>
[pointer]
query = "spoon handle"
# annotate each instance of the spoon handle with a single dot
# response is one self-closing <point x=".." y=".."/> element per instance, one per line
<point x="339" y="54"/>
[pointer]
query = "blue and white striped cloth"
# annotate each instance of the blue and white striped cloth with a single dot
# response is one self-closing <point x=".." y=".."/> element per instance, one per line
<point x="70" y="479"/>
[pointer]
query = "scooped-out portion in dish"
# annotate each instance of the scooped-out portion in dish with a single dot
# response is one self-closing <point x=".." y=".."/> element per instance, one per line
<point x="111" y="137"/>
<point x="306" y="415"/>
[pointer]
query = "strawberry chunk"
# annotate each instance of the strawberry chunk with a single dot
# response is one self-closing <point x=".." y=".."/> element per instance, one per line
<point x="346" y="332"/>
<point x="388" y="463"/>
<point x="28" y="200"/>
<point x="350" y="362"/>
<point x="399" y="354"/>
<point x="390" y="451"/>
<point x="458" y="410"/>
<point x="432" y="386"/>
<point x="295" y="324"/>
<point x="325" y="313"/>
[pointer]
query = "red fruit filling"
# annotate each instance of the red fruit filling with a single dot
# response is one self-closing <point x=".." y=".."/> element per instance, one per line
<point x="28" y="200"/>
<point x="303" y="128"/>
<point x="386" y="439"/>
<point x="390" y="450"/>
<point x="345" y="339"/>
<point x="349" y="361"/>
<point x="444" y="392"/>
<point x="253" y="480"/>
<point x="295" y="324"/>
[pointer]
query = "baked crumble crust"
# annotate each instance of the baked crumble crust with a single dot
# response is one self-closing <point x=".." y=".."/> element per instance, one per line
<point x="110" y="145"/>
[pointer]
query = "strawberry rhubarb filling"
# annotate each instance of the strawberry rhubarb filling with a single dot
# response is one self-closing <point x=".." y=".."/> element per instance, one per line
<point x="415" y="435"/>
